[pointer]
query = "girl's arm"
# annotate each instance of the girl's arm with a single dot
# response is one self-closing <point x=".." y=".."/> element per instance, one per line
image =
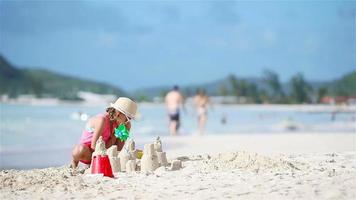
<point x="128" y="125"/>
<point x="98" y="127"/>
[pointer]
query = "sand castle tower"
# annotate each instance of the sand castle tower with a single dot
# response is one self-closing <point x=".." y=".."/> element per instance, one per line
<point x="131" y="149"/>
<point x="124" y="156"/>
<point x="158" y="144"/>
<point x="131" y="166"/>
<point x="99" y="147"/>
<point x="153" y="157"/>
<point x="128" y="153"/>
<point x="114" y="159"/>
<point x="161" y="156"/>
<point x="149" y="160"/>
<point x="176" y="165"/>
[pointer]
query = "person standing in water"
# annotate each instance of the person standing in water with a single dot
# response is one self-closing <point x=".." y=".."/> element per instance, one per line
<point x="201" y="101"/>
<point x="174" y="100"/>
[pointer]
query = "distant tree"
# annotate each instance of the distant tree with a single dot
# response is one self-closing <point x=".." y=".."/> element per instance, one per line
<point x="13" y="93"/>
<point x="253" y="93"/>
<point x="187" y="92"/>
<point x="263" y="96"/>
<point x="222" y="91"/>
<point x="37" y="88"/>
<point x="322" y="92"/>
<point x="234" y="85"/>
<point x="272" y="81"/>
<point x="142" y="98"/>
<point x="300" y="89"/>
<point x="346" y="86"/>
<point x="242" y="87"/>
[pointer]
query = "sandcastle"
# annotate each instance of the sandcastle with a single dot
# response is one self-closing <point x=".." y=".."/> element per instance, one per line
<point x="99" y="148"/>
<point x="162" y="158"/>
<point x="128" y="153"/>
<point x="114" y="159"/>
<point x="149" y="161"/>
<point x="127" y="159"/>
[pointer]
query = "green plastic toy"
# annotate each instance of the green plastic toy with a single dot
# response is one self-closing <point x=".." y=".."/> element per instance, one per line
<point x="121" y="132"/>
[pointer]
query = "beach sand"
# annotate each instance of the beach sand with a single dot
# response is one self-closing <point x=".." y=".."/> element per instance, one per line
<point x="244" y="166"/>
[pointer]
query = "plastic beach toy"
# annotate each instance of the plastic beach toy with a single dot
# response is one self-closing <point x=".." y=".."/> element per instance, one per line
<point x="139" y="154"/>
<point x="121" y="132"/>
<point x="101" y="165"/>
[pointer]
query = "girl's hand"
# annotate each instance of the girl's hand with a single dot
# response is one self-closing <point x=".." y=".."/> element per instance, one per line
<point x="128" y="125"/>
<point x="98" y="127"/>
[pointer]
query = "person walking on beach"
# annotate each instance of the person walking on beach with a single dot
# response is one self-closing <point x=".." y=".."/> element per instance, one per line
<point x="201" y="101"/>
<point x="104" y="124"/>
<point x="174" y="100"/>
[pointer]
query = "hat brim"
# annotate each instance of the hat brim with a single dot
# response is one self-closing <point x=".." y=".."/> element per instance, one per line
<point x="123" y="111"/>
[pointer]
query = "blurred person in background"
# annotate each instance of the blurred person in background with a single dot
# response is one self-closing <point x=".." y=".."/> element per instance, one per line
<point x="174" y="100"/>
<point x="201" y="101"/>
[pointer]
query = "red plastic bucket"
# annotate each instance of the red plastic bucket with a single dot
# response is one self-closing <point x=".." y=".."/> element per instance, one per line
<point x="101" y="165"/>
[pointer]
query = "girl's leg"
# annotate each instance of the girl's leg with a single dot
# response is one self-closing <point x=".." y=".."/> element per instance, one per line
<point x="80" y="152"/>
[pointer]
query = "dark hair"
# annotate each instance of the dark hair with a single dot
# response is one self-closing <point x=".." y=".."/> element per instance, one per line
<point x="111" y="111"/>
<point x="176" y="88"/>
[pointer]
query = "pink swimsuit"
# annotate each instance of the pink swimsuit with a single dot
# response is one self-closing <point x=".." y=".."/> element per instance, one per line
<point x="88" y="133"/>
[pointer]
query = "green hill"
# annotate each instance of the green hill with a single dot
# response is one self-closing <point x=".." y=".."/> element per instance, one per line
<point x="40" y="82"/>
<point x="14" y="81"/>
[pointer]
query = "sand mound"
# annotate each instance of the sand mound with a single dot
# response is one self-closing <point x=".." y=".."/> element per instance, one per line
<point x="224" y="176"/>
<point x="48" y="179"/>
<point x="247" y="161"/>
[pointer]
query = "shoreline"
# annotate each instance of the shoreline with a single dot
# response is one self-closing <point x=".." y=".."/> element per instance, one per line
<point x="269" y="107"/>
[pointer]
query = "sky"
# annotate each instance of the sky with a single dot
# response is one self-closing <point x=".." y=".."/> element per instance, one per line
<point x="161" y="43"/>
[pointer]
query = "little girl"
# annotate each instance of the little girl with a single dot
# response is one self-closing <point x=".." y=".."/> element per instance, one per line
<point x="121" y="112"/>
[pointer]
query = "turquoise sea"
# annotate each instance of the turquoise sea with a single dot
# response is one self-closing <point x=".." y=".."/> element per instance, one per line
<point x="41" y="136"/>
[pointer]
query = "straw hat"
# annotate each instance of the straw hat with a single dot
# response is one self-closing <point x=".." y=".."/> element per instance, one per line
<point x="126" y="106"/>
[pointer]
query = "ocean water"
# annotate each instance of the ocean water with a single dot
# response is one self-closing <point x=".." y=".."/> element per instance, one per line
<point x="28" y="134"/>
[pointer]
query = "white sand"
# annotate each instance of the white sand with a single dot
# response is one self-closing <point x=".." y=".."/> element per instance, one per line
<point x="279" y="166"/>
